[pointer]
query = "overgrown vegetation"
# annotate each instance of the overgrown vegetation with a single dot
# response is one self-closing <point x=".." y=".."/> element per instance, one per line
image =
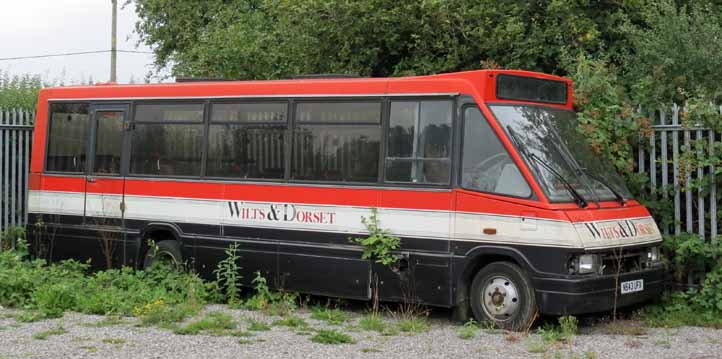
<point x="701" y="302"/>
<point x="48" y="290"/>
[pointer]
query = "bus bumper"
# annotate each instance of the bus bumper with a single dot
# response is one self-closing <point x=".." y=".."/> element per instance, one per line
<point x="556" y="296"/>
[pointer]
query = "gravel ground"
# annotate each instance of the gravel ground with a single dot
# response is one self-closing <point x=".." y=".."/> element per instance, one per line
<point x="83" y="340"/>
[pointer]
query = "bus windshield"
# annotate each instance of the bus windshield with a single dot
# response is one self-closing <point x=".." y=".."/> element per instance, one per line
<point x="560" y="157"/>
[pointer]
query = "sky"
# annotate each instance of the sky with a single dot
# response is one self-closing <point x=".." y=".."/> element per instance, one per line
<point x="39" y="27"/>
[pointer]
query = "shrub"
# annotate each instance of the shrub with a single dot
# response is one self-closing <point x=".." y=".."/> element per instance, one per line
<point x="53" y="300"/>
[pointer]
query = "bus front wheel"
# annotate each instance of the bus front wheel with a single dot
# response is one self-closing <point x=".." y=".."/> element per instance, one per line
<point x="502" y="293"/>
<point x="166" y="252"/>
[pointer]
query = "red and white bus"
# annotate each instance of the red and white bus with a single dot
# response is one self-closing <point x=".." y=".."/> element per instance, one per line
<point x="501" y="206"/>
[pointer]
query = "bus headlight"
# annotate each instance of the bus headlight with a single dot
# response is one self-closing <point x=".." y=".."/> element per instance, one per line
<point x="652" y="255"/>
<point x="586" y="263"/>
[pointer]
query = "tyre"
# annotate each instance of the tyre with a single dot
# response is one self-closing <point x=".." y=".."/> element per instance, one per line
<point x="165" y="252"/>
<point x="502" y="293"/>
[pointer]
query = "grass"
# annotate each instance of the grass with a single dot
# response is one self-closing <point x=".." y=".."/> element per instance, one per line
<point x="114" y="341"/>
<point x="414" y="325"/>
<point x="163" y="315"/>
<point x="89" y="348"/>
<point x="291" y="321"/>
<point x="214" y="323"/>
<point x="331" y="316"/>
<point x="325" y="336"/>
<point x="376" y="323"/>
<point x="370" y="350"/>
<point x="241" y="333"/>
<point x="59" y="330"/>
<point x="537" y="346"/>
<point x="108" y="321"/>
<point x="469" y="330"/>
<point x="29" y="317"/>
<point x="245" y="341"/>
<point x="622" y="327"/>
<point x="258" y="326"/>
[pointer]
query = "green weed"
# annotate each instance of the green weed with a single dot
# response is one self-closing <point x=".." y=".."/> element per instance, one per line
<point x="324" y="336"/>
<point x="108" y="321"/>
<point x="227" y="275"/>
<point x="114" y="341"/>
<point x="414" y="325"/>
<point x="291" y="322"/>
<point x="215" y="323"/>
<point x="59" y="330"/>
<point x="331" y="316"/>
<point x="372" y="322"/>
<point x="241" y="333"/>
<point x="89" y="348"/>
<point x="469" y="330"/>
<point x="258" y="326"/>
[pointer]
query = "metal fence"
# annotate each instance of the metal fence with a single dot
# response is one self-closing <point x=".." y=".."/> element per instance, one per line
<point x="695" y="207"/>
<point x="16" y="132"/>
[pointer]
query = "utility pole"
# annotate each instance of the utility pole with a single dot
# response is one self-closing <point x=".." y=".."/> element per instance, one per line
<point x="114" y="42"/>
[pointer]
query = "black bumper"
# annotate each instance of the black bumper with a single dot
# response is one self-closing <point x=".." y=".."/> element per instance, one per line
<point x="590" y="294"/>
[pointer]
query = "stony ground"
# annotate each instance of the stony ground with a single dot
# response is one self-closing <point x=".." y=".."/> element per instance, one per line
<point x="86" y="336"/>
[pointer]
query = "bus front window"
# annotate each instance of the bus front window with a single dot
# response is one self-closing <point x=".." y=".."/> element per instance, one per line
<point x="561" y="159"/>
<point x="486" y="165"/>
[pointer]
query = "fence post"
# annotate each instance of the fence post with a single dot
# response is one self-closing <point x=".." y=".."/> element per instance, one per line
<point x="16" y="126"/>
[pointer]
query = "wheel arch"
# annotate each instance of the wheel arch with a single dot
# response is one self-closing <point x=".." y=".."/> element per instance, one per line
<point x="159" y="231"/>
<point x="481" y="256"/>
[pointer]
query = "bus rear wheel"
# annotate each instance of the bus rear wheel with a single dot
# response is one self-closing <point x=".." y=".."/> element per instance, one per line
<point x="502" y="293"/>
<point x="166" y="253"/>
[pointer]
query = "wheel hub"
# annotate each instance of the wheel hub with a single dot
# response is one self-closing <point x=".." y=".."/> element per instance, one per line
<point x="500" y="299"/>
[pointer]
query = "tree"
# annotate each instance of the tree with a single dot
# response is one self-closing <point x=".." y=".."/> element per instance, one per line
<point x="264" y="39"/>
<point x="19" y="91"/>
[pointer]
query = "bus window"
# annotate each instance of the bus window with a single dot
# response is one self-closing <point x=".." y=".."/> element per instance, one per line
<point x="336" y="141"/>
<point x="247" y="140"/>
<point x="167" y="140"/>
<point x="486" y="165"/>
<point x="68" y="137"/>
<point x="108" y="142"/>
<point x="419" y="143"/>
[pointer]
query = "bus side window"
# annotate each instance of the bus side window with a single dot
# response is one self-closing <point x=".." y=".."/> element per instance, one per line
<point x="419" y="142"/>
<point x="337" y="141"/>
<point x="247" y="140"/>
<point x="486" y="165"/>
<point x="67" y="137"/>
<point x="167" y="140"/>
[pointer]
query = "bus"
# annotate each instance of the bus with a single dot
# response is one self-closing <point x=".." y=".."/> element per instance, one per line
<point x="503" y="210"/>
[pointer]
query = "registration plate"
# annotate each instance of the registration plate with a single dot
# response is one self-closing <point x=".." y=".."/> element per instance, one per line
<point x="632" y="286"/>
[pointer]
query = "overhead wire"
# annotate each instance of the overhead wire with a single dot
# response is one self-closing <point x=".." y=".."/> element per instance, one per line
<point x="71" y="54"/>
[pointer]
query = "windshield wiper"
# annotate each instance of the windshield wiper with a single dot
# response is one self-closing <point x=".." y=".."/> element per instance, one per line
<point x="599" y="179"/>
<point x="581" y="202"/>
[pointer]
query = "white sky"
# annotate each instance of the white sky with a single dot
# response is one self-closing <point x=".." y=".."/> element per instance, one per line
<point x="38" y="27"/>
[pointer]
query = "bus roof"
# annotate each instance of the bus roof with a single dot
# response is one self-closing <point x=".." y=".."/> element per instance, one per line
<point x="478" y="83"/>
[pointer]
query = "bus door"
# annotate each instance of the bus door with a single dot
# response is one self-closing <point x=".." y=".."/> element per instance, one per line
<point x="105" y="183"/>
